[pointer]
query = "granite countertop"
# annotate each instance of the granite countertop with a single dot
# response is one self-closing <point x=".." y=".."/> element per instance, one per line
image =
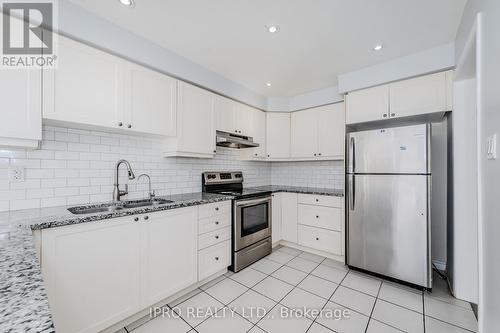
<point x="24" y="306"/>
<point x="300" y="189"/>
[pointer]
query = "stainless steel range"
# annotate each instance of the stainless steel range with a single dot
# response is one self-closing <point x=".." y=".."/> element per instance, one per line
<point x="251" y="217"/>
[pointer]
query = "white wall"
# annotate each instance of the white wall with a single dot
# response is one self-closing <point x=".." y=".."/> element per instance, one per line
<point x="489" y="170"/>
<point x="428" y="61"/>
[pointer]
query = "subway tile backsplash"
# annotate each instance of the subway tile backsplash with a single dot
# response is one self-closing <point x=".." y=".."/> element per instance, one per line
<point x="76" y="166"/>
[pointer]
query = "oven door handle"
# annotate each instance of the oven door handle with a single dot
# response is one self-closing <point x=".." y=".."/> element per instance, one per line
<point x="252" y="202"/>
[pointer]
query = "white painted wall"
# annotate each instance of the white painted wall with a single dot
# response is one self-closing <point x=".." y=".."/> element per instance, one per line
<point x="465" y="201"/>
<point x="489" y="170"/>
<point x="428" y="61"/>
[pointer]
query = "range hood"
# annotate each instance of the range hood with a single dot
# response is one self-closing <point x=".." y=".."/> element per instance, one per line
<point x="230" y="140"/>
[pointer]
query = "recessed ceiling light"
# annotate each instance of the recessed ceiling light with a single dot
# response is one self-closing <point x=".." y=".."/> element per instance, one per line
<point x="268" y="84"/>
<point x="273" y="28"/>
<point x="128" y="3"/>
<point x="378" y="47"/>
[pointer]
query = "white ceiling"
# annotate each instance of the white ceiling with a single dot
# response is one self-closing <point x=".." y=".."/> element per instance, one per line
<point x="318" y="40"/>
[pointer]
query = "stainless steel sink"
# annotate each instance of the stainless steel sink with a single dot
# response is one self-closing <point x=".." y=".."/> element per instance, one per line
<point x="113" y="207"/>
<point x="145" y="203"/>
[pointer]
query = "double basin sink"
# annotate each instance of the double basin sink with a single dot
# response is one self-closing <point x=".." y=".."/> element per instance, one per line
<point x="117" y="206"/>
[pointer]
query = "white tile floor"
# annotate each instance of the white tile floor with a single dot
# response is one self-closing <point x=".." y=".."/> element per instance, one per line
<point x="291" y="280"/>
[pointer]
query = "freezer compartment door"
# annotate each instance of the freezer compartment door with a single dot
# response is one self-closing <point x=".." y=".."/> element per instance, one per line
<point x="390" y="150"/>
<point x="388" y="229"/>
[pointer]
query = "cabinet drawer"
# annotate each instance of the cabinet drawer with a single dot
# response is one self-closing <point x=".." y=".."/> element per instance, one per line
<point x="319" y="216"/>
<point x="213" y="223"/>
<point x="213" y="259"/>
<point x="320" y="200"/>
<point x="214" y="237"/>
<point x="214" y="209"/>
<point x="320" y="239"/>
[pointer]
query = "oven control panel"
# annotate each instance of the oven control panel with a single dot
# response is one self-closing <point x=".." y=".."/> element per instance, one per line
<point x="222" y="177"/>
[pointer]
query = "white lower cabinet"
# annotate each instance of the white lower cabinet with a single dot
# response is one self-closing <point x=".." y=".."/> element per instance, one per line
<point x="311" y="221"/>
<point x="169" y="251"/>
<point x="213" y="259"/>
<point x="100" y="273"/>
<point x="320" y="239"/>
<point x="92" y="273"/>
<point x="289" y="216"/>
<point x="276" y="229"/>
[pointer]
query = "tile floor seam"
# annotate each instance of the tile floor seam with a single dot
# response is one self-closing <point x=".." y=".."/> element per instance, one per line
<point x="279" y="302"/>
<point x="184" y="320"/>
<point x="423" y="307"/>
<point x="203" y="291"/>
<point x="452" y="324"/>
<point x="401" y="306"/>
<point x="373" y="307"/>
<point x="377" y="320"/>
<point x="229" y="277"/>
<point x="329" y="299"/>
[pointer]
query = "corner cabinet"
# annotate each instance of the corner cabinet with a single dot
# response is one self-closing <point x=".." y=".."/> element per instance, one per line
<point x="277" y="135"/>
<point x="318" y="133"/>
<point x="413" y="97"/>
<point x="195" y="135"/>
<point x="100" y="273"/>
<point x="91" y="88"/>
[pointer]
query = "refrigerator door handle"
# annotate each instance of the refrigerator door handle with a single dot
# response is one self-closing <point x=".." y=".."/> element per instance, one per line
<point x="352" y="192"/>
<point x="352" y="152"/>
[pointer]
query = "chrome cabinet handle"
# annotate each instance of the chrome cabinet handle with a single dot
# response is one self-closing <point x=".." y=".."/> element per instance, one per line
<point x="216" y="258"/>
<point x="129" y="126"/>
<point x="393" y="115"/>
<point x="317" y="216"/>
<point x="317" y="200"/>
<point x="319" y="154"/>
<point x="385" y="115"/>
<point x="136" y="219"/>
<point x="317" y="238"/>
<point x="352" y="153"/>
<point x="120" y="124"/>
<point x="216" y="222"/>
<point x="217" y="237"/>
<point x="146" y="217"/>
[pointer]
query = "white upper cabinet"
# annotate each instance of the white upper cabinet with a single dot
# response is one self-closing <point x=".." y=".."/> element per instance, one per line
<point x="318" y="133"/>
<point x="413" y="97"/>
<point x="277" y="135"/>
<point x="224" y="114"/>
<point x="367" y="105"/>
<point x="258" y="132"/>
<point x="304" y="134"/>
<point x="425" y="94"/>
<point x="331" y="130"/>
<point x="21" y="124"/>
<point x="92" y="88"/>
<point x="195" y="123"/>
<point x="233" y="117"/>
<point x="85" y="88"/>
<point x="150" y="101"/>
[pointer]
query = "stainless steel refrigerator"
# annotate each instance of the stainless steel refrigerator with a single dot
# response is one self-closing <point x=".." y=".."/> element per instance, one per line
<point x="388" y="189"/>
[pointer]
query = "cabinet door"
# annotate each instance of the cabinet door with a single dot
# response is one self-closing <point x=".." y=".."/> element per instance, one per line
<point x="244" y="120"/>
<point x="331" y="130"/>
<point x="21" y="123"/>
<point x="91" y="272"/>
<point x="367" y="105"/>
<point x="151" y="101"/>
<point x="195" y="119"/>
<point x="276" y="218"/>
<point x="304" y="134"/>
<point x="169" y="253"/>
<point x="289" y="216"/>
<point x="259" y="136"/>
<point x="85" y="88"/>
<point x="278" y="135"/>
<point x="421" y="95"/>
<point x="224" y="114"/>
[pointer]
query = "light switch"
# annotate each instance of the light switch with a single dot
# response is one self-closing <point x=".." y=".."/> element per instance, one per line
<point x="491" y="153"/>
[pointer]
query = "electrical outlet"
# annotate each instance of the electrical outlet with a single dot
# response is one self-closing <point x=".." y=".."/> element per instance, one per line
<point x="16" y="175"/>
<point x="491" y="152"/>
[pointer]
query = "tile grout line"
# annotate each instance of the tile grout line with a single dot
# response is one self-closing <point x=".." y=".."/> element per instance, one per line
<point x="374" y="304"/>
